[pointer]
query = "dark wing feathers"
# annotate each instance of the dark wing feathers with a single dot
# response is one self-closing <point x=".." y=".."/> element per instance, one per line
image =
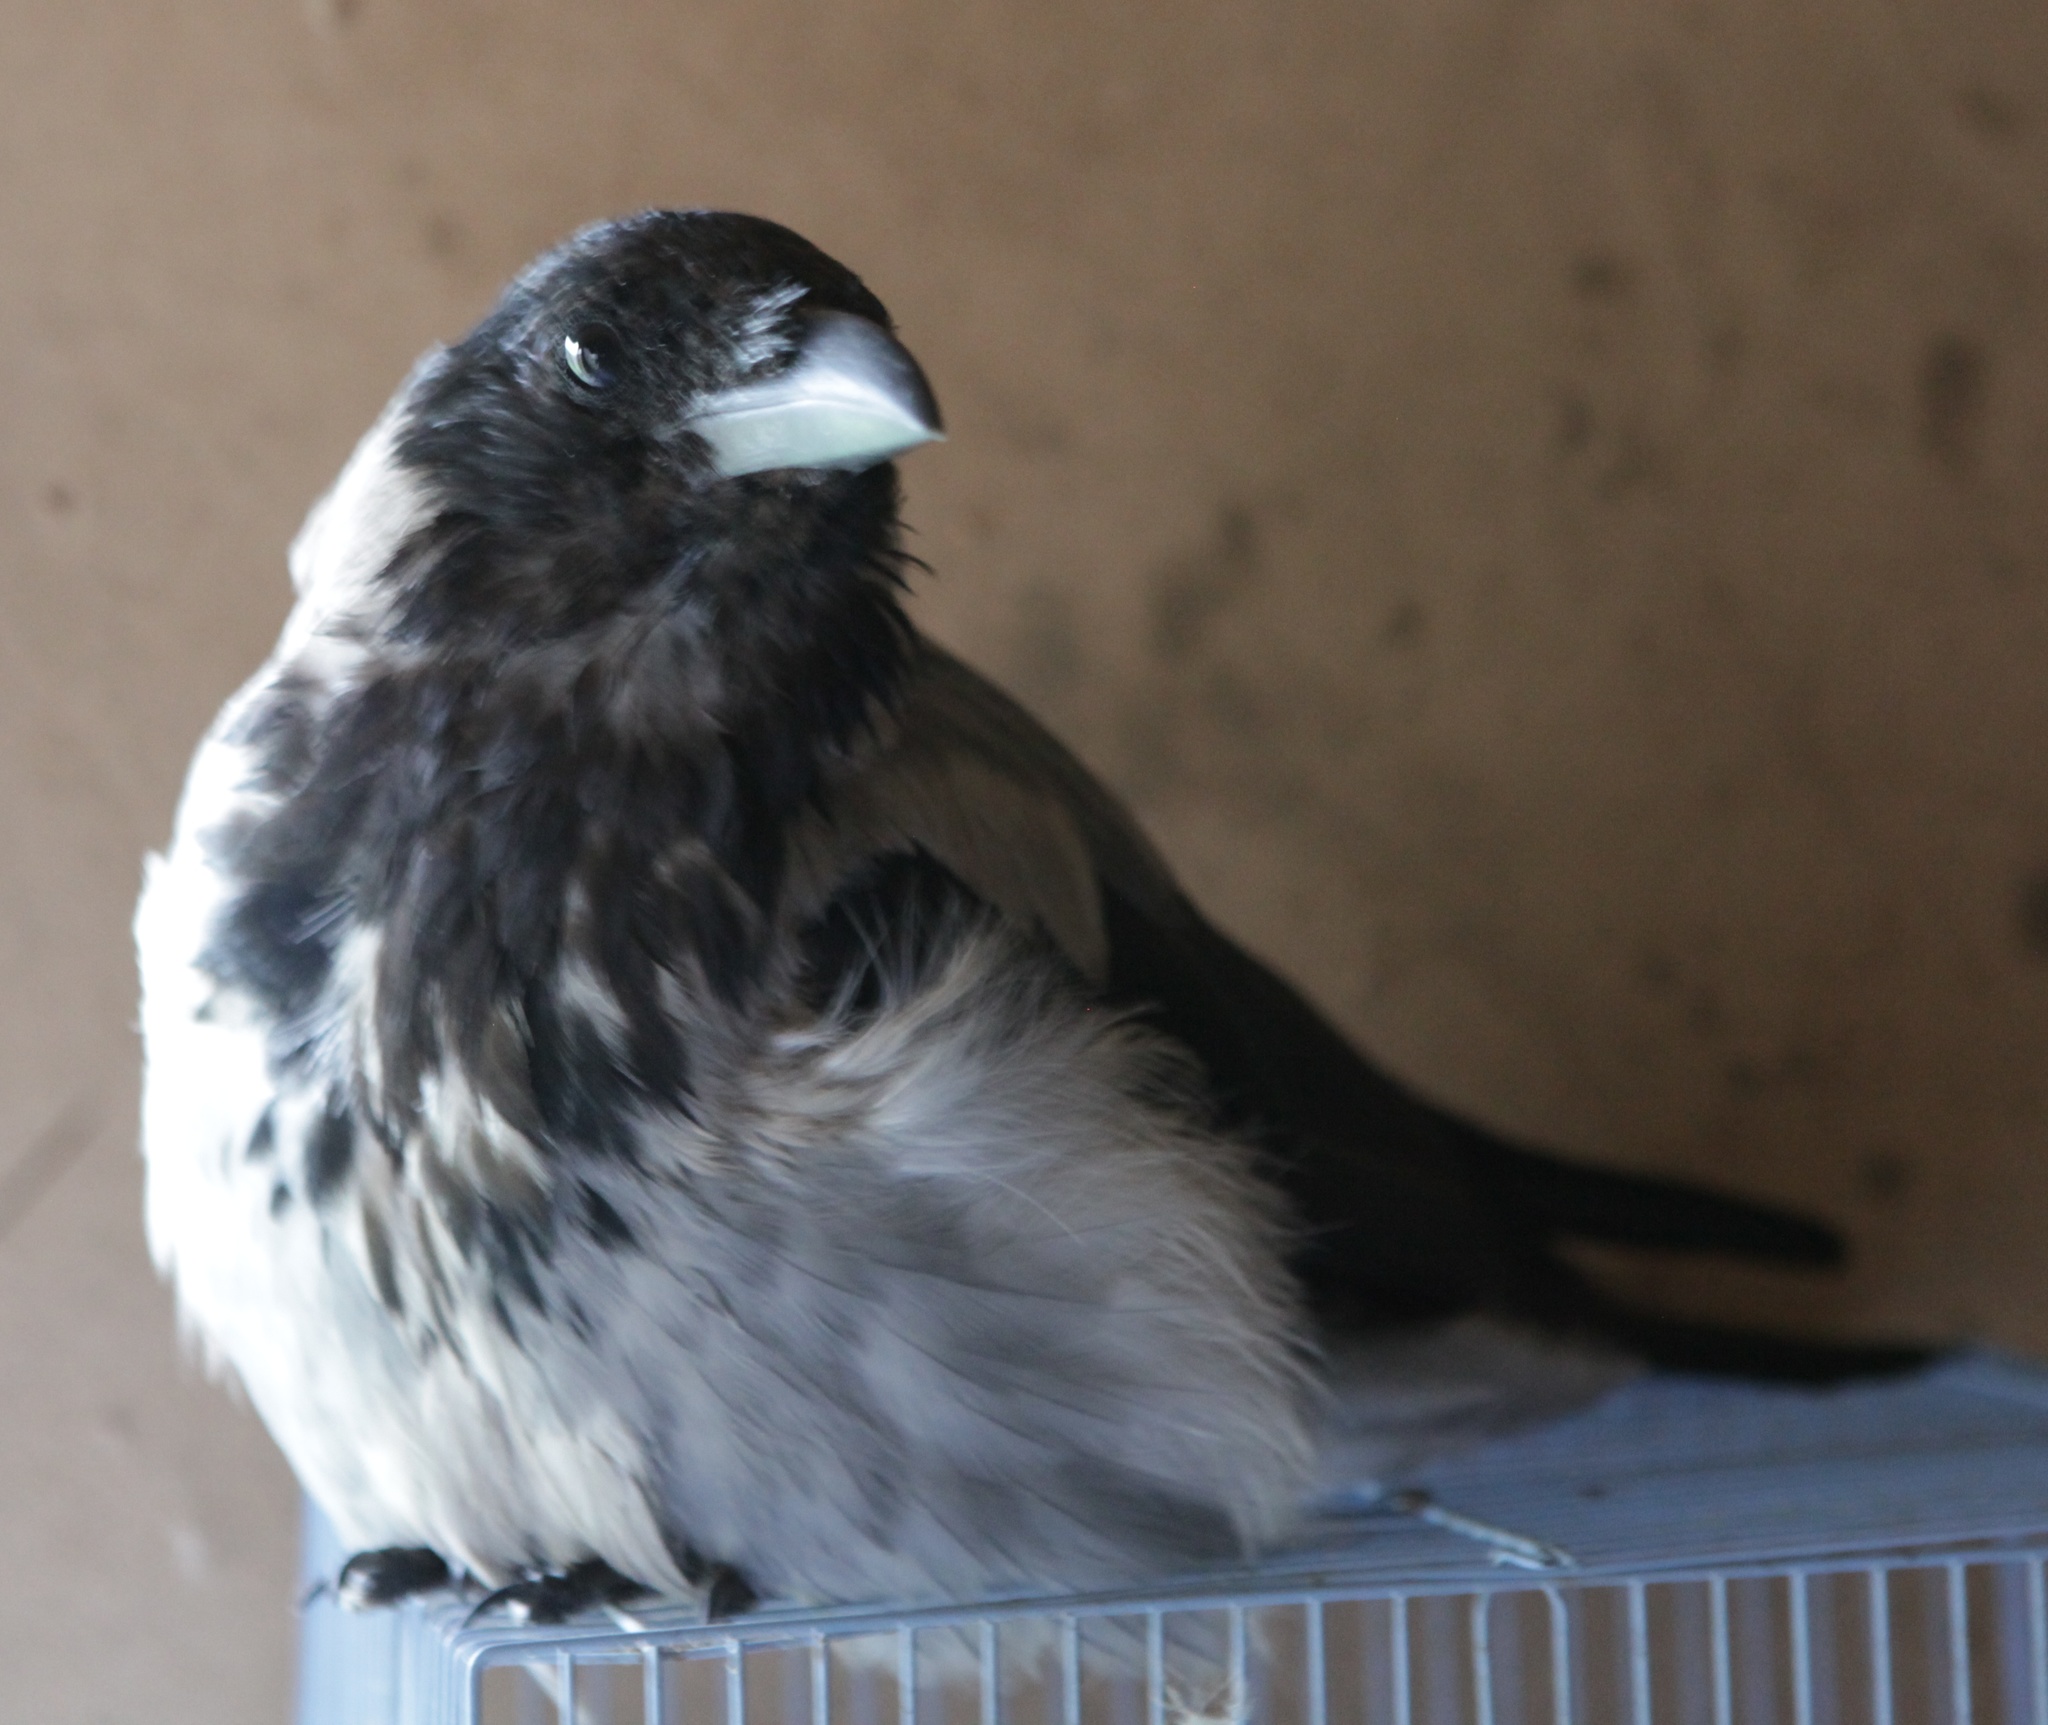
<point x="968" y="780"/>
<point x="1405" y="1210"/>
<point x="978" y="720"/>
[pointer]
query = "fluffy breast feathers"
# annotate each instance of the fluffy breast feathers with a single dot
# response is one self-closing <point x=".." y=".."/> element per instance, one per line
<point x="559" y="1184"/>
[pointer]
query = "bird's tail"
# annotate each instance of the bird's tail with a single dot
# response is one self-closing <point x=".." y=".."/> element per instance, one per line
<point x="1556" y="1197"/>
<point x="1703" y="1348"/>
<point x="1410" y="1212"/>
<point x="1560" y="1200"/>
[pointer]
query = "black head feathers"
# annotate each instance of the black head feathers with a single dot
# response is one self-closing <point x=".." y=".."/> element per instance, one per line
<point x="574" y="452"/>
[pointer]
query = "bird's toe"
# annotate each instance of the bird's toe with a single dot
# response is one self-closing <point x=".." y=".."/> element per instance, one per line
<point x="727" y="1593"/>
<point x="556" y="1595"/>
<point x="385" y="1576"/>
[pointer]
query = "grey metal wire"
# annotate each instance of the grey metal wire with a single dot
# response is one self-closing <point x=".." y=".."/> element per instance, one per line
<point x="1971" y="1666"/>
<point x="2037" y="1638"/>
<point x="1690" y="1557"/>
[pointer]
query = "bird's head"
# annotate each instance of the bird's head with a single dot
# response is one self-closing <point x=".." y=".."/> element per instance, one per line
<point x="666" y="451"/>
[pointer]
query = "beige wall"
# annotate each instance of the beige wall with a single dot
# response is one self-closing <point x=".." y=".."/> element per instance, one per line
<point x="1540" y="504"/>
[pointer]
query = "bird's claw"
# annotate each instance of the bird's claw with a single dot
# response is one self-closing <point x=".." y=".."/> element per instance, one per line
<point x="727" y="1593"/>
<point x="556" y="1595"/>
<point x="385" y="1576"/>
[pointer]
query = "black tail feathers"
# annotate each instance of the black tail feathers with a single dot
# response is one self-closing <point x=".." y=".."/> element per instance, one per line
<point x="1559" y="1200"/>
<point x="1731" y="1351"/>
<point x="1569" y="1199"/>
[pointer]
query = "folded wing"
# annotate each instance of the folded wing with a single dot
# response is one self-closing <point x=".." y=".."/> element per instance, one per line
<point x="1405" y="1211"/>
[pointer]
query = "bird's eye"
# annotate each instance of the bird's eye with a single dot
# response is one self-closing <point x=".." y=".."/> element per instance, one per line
<point x="591" y="352"/>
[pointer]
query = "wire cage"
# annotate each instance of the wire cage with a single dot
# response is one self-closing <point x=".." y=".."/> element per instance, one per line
<point x="1685" y="1552"/>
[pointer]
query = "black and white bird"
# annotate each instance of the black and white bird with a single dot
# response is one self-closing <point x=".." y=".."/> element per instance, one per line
<point x="659" y="1075"/>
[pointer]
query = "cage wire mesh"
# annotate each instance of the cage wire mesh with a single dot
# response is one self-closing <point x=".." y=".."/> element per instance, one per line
<point x="1684" y="1553"/>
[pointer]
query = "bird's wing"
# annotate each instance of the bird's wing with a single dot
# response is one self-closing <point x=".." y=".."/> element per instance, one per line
<point x="971" y="783"/>
<point x="1406" y="1210"/>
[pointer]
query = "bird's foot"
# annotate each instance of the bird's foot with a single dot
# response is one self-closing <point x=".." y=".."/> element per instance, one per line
<point x="556" y="1595"/>
<point x="385" y="1577"/>
<point x="727" y="1593"/>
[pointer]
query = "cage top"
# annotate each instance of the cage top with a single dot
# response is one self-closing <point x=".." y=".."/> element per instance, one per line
<point x="1665" y="1477"/>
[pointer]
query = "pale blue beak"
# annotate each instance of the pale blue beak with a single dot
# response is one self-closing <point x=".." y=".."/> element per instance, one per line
<point x="854" y="397"/>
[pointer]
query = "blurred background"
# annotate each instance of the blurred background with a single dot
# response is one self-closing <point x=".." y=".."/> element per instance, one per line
<point x="1539" y="503"/>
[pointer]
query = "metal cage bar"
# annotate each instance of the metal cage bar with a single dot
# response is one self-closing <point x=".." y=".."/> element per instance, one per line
<point x="2037" y="1638"/>
<point x="1683" y="1555"/>
<point x="1482" y="1658"/>
<point x="1798" y="1603"/>
<point x="1831" y="1648"/>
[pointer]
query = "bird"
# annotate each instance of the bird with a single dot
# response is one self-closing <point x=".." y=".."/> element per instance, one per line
<point x="660" y="1077"/>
